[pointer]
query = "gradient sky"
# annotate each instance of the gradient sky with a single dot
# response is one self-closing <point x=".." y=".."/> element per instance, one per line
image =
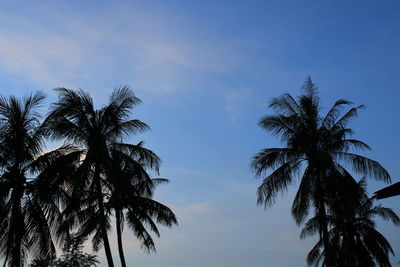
<point x="205" y="71"/>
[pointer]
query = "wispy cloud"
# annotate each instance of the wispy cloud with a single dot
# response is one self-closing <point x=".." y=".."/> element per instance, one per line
<point x="235" y="103"/>
<point x="145" y="48"/>
<point x="41" y="57"/>
<point x="197" y="209"/>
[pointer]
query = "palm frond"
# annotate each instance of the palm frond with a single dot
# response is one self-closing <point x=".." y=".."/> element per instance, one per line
<point x="334" y="112"/>
<point x="364" y="165"/>
<point x="303" y="198"/>
<point x="276" y="182"/>
<point x="271" y="158"/>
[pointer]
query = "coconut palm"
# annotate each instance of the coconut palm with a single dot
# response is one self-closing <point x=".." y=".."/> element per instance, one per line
<point x="315" y="146"/>
<point x="353" y="236"/>
<point x="132" y="196"/>
<point x="29" y="211"/>
<point x="75" y="119"/>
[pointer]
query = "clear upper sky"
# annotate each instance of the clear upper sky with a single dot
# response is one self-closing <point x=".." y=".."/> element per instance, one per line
<point x="205" y="71"/>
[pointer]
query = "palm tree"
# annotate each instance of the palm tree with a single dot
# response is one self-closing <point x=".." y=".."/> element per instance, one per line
<point x="75" y="119"/>
<point x="29" y="211"/>
<point x="352" y="234"/>
<point x="316" y="146"/>
<point x="133" y="192"/>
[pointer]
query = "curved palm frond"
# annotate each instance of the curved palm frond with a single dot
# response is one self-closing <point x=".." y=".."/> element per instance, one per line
<point x="277" y="181"/>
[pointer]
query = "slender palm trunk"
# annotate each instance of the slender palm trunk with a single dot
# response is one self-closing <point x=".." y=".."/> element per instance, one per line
<point x="106" y="243"/>
<point x="324" y="234"/>
<point x="118" y="215"/>
<point x="103" y="229"/>
<point x="17" y="224"/>
<point x="323" y="231"/>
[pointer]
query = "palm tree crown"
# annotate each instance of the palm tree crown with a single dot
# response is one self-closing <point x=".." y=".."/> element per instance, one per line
<point x="131" y="199"/>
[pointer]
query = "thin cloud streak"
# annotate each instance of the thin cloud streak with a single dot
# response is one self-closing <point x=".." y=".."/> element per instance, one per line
<point x="156" y="56"/>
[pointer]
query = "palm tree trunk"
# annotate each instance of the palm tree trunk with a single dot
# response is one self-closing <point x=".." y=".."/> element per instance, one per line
<point x="324" y="234"/>
<point x="119" y="237"/>
<point x="103" y="229"/>
<point x="323" y="231"/>
<point x="106" y="243"/>
<point x="18" y="226"/>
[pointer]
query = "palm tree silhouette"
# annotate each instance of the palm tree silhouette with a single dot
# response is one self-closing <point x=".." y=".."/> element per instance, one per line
<point x="28" y="178"/>
<point x="316" y="146"/>
<point x="132" y="192"/>
<point x="75" y="119"/>
<point x="352" y="234"/>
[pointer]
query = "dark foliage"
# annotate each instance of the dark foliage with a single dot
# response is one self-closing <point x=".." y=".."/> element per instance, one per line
<point x="99" y="185"/>
<point x="316" y="147"/>
<point x="131" y="198"/>
<point x="29" y="210"/>
<point x="353" y="236"/>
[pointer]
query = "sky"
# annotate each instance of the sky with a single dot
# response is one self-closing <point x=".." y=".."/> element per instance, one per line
<point x="206" y="71"/>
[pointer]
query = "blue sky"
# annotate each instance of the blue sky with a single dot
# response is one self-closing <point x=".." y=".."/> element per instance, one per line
<point x="205" y="71"/>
